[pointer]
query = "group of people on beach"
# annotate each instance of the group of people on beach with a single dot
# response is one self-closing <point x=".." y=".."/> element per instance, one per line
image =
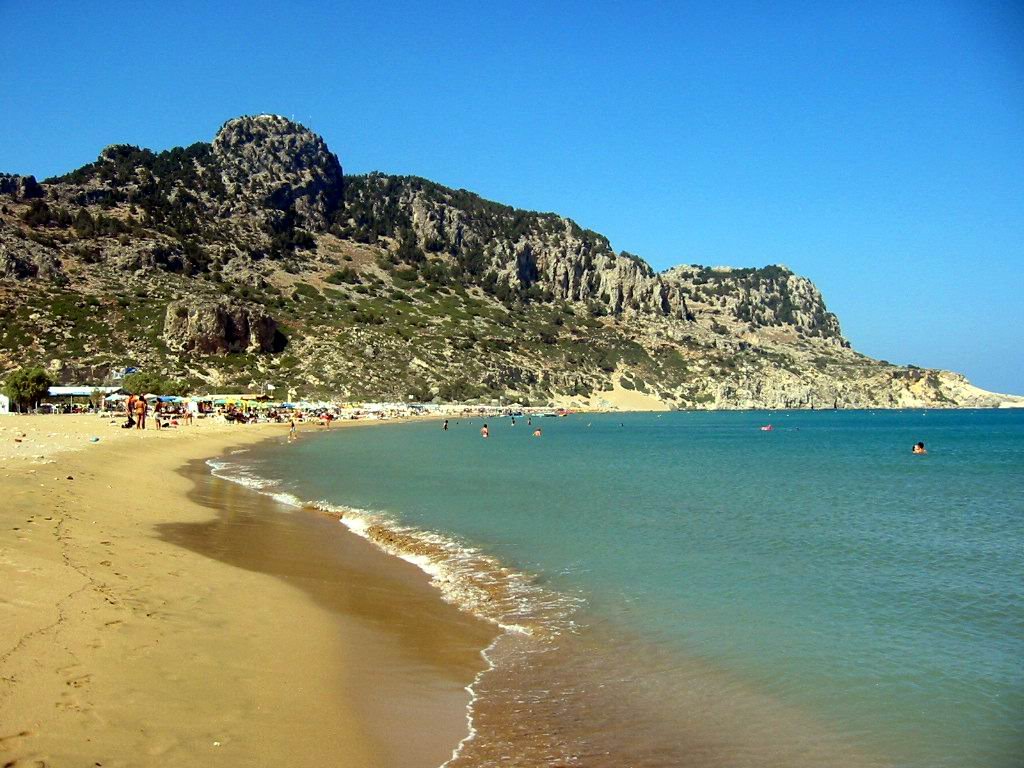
<point x="137" y="411"/>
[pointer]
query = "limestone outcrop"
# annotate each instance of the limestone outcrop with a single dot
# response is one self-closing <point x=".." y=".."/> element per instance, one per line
<point x="548" y="254"/>
<point x="20" y="187"/>
<point x="23" y="259"/>
<point x="269" y="162"/>
<point x="750" y="299"/>
<point x="217" y="327"/>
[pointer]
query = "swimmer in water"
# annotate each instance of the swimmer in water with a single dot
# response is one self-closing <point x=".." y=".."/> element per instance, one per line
<point x="536" y="432"/>
<point x="446" y="425"/>
<point x="485" y="432"/>
<point x="919" y="448"/>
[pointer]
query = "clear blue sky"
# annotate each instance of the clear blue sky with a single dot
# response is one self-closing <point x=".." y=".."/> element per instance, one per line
<point x="877" y="148"/>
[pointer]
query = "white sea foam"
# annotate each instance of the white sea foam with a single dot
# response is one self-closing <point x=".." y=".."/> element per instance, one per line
<point x="466" y="577"/>
<point x="239" y="473"/>
<point x="288" y="499"/>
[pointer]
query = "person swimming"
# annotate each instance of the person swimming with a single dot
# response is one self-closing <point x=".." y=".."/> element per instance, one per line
<point x="918" y="448"/>
<point x="537" y="432"/>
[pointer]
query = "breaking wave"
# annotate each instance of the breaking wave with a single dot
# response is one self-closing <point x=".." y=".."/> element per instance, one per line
<point x="530" y="616"/>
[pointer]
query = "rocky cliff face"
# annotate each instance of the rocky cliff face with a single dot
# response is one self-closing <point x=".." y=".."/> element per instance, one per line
<point x="750" y="299"/>
<point x="555" y="257"/>
<point x="220" y="327"/>
<point x="22" y="258"/>
<point x="524" y="251"/>
<point x="20" y="187"/>
<point x="268" y="162"/>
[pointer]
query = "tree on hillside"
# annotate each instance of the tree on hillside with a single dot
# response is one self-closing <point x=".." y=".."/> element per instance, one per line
<point x="152" y="384"/>
<point x="408" y="248"/>
<point x="27" y="386"/>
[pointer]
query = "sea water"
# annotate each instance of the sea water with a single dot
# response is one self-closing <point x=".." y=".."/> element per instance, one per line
<point x="689" y="589"/>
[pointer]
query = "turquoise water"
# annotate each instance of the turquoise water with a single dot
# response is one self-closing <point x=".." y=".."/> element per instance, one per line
<point x="820" y="567"/>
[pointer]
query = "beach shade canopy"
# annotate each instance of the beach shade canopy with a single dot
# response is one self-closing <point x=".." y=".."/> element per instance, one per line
<point x="116" y="397"/>
<point x="80" y="391"/>
<point x="169" y="399"/>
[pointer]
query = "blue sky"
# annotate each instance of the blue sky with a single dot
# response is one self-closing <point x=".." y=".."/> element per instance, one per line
<point x="877" y="148"/>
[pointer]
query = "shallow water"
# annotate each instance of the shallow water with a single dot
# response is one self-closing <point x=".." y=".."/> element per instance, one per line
<point x="705" y="593"/>
<point x="403" y="653"/>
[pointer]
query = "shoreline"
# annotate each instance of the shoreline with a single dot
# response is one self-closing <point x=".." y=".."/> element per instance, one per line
<point x="575" y="677"/>
<point x="123" y="646"/>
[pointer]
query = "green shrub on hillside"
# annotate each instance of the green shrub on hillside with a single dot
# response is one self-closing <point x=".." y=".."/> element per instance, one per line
<point x="344" y="275"/>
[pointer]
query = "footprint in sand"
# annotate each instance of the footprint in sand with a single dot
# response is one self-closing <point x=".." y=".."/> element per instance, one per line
<point x="80" y="681"/>
<point x="13" y="741"/>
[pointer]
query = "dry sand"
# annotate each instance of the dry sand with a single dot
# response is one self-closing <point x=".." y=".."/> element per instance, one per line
<point x="618" y="398"/>
<point x="152" y="615"/>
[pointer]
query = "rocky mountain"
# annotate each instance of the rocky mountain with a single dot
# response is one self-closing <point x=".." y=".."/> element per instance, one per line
<point x="253" y="260"/>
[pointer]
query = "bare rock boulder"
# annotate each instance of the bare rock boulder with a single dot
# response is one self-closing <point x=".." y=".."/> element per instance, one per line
<point x="20" y="187"/>
<point x="267" y="161"/>
<point x="24" y="259"/>
<point x="209" y="326"/>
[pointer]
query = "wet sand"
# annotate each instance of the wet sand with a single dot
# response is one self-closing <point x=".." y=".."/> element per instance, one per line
<point x="151" y="616"/>
<point x="413" y="654"/>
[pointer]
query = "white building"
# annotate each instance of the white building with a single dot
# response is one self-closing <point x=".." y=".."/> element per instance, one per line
<point x="5" y="405"/>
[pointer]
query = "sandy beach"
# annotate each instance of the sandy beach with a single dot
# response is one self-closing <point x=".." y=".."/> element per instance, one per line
<point x="154" y="615"/>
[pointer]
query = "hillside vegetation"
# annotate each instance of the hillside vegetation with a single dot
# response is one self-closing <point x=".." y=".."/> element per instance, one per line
<point x="253" y="260"/>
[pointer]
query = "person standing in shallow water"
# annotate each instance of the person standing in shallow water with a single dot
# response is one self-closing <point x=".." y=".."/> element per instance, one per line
<point x="446" y="425"/>
<point x="485" y="432"/>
